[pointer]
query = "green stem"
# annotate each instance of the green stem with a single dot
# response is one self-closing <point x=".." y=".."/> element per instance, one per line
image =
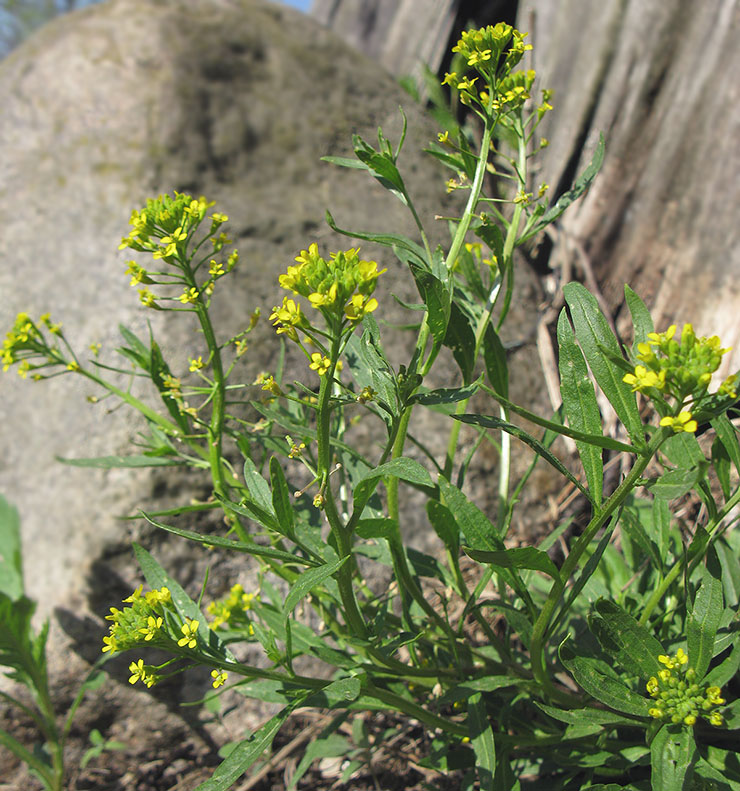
<point x="342" y="536"/>
<point x="542" y="625"/>
<point x="677" y="569"/>
<point x="414" y="710"/>
<point x="216" y="425"/>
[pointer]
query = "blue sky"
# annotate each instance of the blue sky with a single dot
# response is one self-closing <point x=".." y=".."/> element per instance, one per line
<point x="303" y="5"/>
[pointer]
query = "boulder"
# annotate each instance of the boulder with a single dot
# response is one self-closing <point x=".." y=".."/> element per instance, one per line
<point x="129" y="99"/>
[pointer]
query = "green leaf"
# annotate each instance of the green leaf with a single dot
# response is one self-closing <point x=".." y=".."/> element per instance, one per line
<point x="413" y="250"/>
<point x="717" y="781"/>
<point x="479" y="531"/>
<point x="112" y="462"/>
<point x="488" y="421"/>
<point x="11" y="560"/>
<point x="338" y="693"/>
<point x="582" y="183"/>
<point x="642" y="321"/>
<point x="593" y="334"/>
<point x="581" y="408"/>
<point x="436" y="298"/>
<point x="494" y="356"/>
<point x="460" y="339"/>
<point x="607" y="690"/>
<point x="232" y="545"/>
<point x="281" y="499"/>
<point x="726" y="670"/>
<point x="672" y="757"/>
<point x="257" y="486"/>
<point x="481" y="737"/>
<point x="727" y="435"/>
<point x="517" y="558"/>
<point x="585" y="716"/>
<point x="327" y="745"/>
<point x="404" y="468"/>
<point x="559" y="428"/>
<point x="246" y="753"/>
<point x="448" y="395"/>
<point x="675" y="483"/>
<point x="683" y="450"/>
<point x="623" y="638"/>
<point x="41" y="768"/>
<point x="157" y="577"/>
<point x="721" y="465"/>
<point x="444" y="525"/>
<point x="704" y="616"/>
<point x="309" y="580"/>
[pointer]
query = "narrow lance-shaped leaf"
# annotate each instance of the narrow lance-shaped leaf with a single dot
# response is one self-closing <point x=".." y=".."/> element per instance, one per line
<point x="157" y="577"/>
<point x="256" y="550"/>
<point x="386" y="239"/>
<point x="672" y="757"/>
<point x="481" y="737"/>
<point x="489" y="421"/>
<point x="642" y="321"/>
<point x="622" y="637"/>
<point x="607" y="690"/>
<point x="705" y="616"/>
<point x="281" y="501"/>
<point x="309" y="580"/>
<point x="517" y="558"/>
<point x="494" y="356"/>
<point x="581" y="408"/>
<point x="246" y="753"/>
<point x="559" y="428"/>
<point x="581" y="184"/>
<point x="11" y="563"/>
<point x="594" y="334"/>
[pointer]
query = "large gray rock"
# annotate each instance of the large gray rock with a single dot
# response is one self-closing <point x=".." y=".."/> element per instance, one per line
<point x="102" y="109"/>
<point x="105" y="107"/>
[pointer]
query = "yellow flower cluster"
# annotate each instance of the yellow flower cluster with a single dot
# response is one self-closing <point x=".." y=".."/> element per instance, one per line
<point x="678" y="368"/>
<point x="341" y="288"/>
<point x="150" y="619"/>
<point x="230" y="611"/>
<point x="678" y="698"/>
<point x="164" y="228"/>
<point x="26" y="341"/>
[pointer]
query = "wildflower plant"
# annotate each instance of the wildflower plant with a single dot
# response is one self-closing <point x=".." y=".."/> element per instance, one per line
<point x="23" y="659"/>
<point x="608" y="667"/>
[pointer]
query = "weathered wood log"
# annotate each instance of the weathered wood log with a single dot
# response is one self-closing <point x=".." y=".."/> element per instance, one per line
<point x="655" y="76"/>
<point x="401" y="34"/>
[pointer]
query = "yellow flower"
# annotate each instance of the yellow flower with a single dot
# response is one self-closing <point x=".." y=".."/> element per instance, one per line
<point x="147" y="298"/>
<point x="682" y="422"/>
<point x="216" y="269"/>
<point x="728" y="386"/>
<point x="138" y="671"/>
<point x="189" y="296"/>
<point x="196" y="364"/>
<point x="152" y="626"/>
<point x="329" y="297"/>
<point x="359" y="306"/>
<point x="189" y="631"/>
<point x="219" y="678"/>
<point x="171" y="242"/>
<point x="642" y="379"/>
<point x="319" y="363"/>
